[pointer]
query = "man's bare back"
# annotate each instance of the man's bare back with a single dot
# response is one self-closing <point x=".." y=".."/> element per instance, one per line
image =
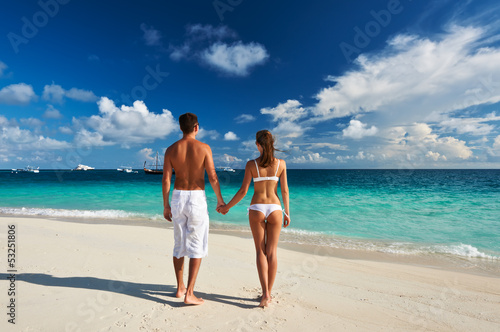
<point x="190" y="158"/>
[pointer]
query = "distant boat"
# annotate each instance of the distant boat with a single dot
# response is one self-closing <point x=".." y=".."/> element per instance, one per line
<point x="225" y="169"/>
<point x="81" y="167"/>
<point x="126" y="169"/>
<point x="155" y="168"/>
<point x="27" y="169"/>
<point x="30" y="169"/>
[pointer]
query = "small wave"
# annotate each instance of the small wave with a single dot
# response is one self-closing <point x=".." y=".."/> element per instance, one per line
<point x="111" y="214"/>
<point x="398" y="248"/>
<point x="463" y="250"/>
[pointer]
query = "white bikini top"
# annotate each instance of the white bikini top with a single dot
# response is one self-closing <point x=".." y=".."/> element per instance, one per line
<point x="264" y="178"/>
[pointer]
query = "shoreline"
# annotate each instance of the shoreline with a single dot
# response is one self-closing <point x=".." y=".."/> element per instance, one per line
<point x="447" y="262"/>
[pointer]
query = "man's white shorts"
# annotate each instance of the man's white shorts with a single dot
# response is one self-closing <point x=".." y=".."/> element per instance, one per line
<point x="190" y="219"/>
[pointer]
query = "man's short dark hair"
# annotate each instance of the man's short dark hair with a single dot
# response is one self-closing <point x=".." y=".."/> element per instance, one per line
<point x="187" y="122"/>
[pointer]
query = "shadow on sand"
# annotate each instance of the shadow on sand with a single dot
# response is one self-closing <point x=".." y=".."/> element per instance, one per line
<point x="152" y="292"/>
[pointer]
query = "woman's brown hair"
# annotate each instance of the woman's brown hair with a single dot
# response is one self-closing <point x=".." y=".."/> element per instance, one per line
<point x="266" y="140"/>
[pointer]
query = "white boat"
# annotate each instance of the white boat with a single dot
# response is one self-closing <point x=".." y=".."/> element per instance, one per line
<point x="125" y="169"/>
<point x="81" y="167"/>
<point x="225" y="169"/>
<point x="30" y="169"/>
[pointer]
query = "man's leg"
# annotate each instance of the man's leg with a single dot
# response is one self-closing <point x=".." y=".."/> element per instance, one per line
<point x="194" y="267"/>
<point x="179" y="275"/>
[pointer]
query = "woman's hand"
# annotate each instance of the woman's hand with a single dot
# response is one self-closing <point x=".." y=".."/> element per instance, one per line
<point x="286" y="221"/>
<point x="223" y="209"/>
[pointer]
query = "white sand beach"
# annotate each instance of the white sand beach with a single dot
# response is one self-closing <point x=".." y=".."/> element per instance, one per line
<point x="111" y="277"/>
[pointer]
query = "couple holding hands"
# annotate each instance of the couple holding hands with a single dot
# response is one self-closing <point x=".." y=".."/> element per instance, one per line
<point x="188" y="208"/>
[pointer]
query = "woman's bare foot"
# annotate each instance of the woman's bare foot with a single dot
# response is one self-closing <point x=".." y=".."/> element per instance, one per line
<point x="181" y="291"/>
<point x="191" y="299"/>
<point x="264" y="302"/>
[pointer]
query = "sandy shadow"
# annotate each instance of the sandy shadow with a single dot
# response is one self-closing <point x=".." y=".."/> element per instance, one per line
<point x="151" y="292"/>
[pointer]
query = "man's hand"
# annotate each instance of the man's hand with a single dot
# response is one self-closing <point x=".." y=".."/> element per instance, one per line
<point x="223" y="209"/>
<point x="167" y="213"/>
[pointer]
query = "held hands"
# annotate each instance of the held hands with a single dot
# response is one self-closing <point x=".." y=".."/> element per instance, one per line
<point x="223" y="209"/>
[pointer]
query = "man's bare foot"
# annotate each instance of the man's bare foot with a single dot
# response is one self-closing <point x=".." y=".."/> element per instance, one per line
<point x="181" y="291"/>
<point x="191" y="299"/>
<point x="264" y="302"/>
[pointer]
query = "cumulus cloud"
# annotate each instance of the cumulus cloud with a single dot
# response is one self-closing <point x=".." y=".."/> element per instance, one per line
<point x="55" y="93"/>
<point x="236" y="59"/>
<point x="358" y="130"/>
<point x="212" y="134"/>
<point x="146" y="153"/>
<point x="308" y="157"/>
<point x="230" y="159"/>
<point x="473" y="126"/>
<point x="52" y="113"/>
<point x="291" y="110"/>
<point x="414" y="144"/>
<point x="414" y="77"/>
<point x="125" y="125"/>
<point x="151" y="36"/>
<point x="244" y="118"/>
<point x="15" y="139"/>
<point x="230" y="136"/>
<point x="17" y="94"/>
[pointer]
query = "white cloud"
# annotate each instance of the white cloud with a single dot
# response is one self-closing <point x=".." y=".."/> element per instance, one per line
<point x="230" y="159"/>
<point x="413" y="145"/>
<point x="230" y="136"/>
<point x="32" y="122"/>
<point x="14" y="140"/>
<point x="328" y="145"/>
<point x="244" y="118"/>
<point x="288" y="129"/>
<point x="289" y="111"/>
<point x="212" y="134"/>
<point x="199" y="31"/>
<point x="308" y="157"/>
<point x="127" y="125"/>
<point x="81" y="95"/>
<point x="473" y="126"/>
<point x="17" y="94"/>
<point x="55" y="93"/>
<point x="151" y="36"/>
<point x="52" y="113"/>
<point x="235" y="59"/>
<point x="496" y="143"/>
<point x="146" y="153"/>
<point x="358" y="130"/>
<point x="413" y="81"/>
<point x="3" y="66"/>
<point x="66" y="130"/>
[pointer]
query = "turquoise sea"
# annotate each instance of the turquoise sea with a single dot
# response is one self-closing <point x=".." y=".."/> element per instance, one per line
<point x="406" y="212"/>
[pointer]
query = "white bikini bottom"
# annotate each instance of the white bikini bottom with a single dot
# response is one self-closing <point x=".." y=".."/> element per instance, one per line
<point x="266" y="209"/>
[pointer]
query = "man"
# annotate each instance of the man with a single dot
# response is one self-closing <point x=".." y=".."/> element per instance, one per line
<point x="188" y="211"/>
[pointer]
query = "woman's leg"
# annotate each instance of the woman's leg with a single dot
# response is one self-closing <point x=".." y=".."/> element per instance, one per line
<point x="258" y="227"/>
<point x="273" y="229"/>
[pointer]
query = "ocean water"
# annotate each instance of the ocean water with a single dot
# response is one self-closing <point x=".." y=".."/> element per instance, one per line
<point x="406" y="212"/>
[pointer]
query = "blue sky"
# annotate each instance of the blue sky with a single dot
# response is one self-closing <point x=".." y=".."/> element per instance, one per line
<point x="341" y="84"/>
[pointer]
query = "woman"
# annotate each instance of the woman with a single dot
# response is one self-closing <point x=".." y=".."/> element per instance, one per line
<point x="265" y="212"/>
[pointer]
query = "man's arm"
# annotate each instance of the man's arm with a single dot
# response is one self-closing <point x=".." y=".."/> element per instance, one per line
<point x="167" y="177"/>
<point x="212" y="176"/>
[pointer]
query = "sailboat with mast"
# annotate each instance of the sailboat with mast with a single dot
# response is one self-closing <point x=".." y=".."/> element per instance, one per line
<point x="156" y="168"/>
